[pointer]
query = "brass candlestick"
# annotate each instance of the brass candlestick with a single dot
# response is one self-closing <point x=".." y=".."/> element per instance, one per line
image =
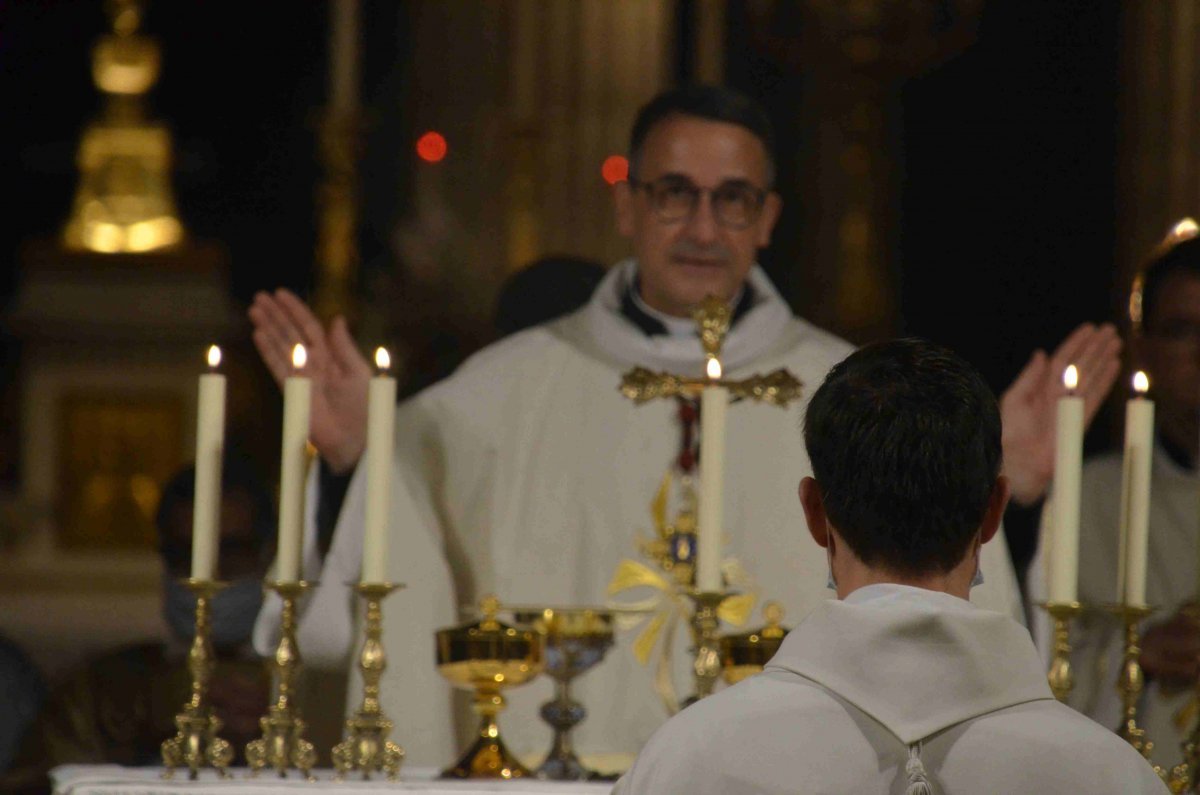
<point x="1130" y="682"/>
<point x="1060" y="676"/>
<point x="196" y="745"/>
<point x="706" y="662"/>
<point x="282" y="746"/>
<point x="486" y="656"/>
<point x="576" y="639"/>
<point x="366" y="747"/>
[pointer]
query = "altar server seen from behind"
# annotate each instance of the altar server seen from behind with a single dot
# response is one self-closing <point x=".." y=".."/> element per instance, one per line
<point x="901" y="685"/>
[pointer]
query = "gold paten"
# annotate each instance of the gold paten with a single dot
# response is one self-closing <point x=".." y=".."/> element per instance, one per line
<point x="1060" y="676"/>
<point x="124" y="202"/>
<point x="196" y="745"/>
<point x="745" y="655"/>
<point x="282" y="746"/>
<point x="366" y="748"/>
<point x="487" y="656"/>
<point x="576" y="639"/>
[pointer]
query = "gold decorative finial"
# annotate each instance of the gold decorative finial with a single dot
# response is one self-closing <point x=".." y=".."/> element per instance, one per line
<point x="712" y="324"/>
<point x="489" y="606"/>
<point x="773" y="614"/>
<point x="124" y="202"/>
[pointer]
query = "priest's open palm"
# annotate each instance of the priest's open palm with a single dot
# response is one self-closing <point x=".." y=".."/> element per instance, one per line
<point x="1028" y="408"/>
<point x="339" y="372"/>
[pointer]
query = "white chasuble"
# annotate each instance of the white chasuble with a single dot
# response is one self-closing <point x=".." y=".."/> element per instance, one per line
<point x="526" y="474"/>
<point x="891" y="685"/>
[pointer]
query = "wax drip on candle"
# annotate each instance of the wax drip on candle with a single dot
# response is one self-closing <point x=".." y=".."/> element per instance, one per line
<point x="383" y="360"/>
<point x="299" y="356"/>
<point x="214" y="357"/>
<point x="1141" y="384"/>
<point x="1071" y="378"/>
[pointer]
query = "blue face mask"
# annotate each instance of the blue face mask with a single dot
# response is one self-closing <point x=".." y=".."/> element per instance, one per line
<point x="232" y="611"/>
<point x="831" y="583"/>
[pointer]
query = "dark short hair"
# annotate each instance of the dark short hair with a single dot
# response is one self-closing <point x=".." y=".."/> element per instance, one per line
<point x="904" y="439"/>
<point x="715" y="103"/>
<point x="544" y="290"/>
<point x="1182" y="258"/>
<point x="237" y="478"/>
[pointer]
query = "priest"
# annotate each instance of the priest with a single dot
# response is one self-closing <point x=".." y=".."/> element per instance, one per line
<point x="902" y="685"/>
<point x="527" y="475"/>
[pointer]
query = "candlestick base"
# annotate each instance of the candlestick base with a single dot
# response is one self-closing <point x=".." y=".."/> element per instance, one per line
<point x="282" y="746"/>
<point x="196" y="744"/>
<point x="366" y="748"/>
<point x="706" y="661"/>
<point x="1060" y="676"/>
<point x="1130" y="683"/>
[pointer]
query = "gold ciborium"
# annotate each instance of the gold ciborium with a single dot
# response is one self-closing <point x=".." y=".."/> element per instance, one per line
<point x="487" y="657"/>
<point x="745" y="655"/>
<point x="576" y="639"/>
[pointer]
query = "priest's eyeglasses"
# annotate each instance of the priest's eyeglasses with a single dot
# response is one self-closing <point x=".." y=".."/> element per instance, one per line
<point x="735" y="204"/>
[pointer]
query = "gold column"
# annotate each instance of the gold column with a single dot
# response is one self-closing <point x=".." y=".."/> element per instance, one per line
<point x="1158" y="177"/>
<point x="339" y="150"/>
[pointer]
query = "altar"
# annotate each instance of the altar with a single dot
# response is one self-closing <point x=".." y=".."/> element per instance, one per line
<point x="117" y="780"/>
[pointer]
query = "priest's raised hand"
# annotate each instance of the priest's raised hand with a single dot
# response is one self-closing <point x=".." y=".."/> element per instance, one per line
<point x="337" y="368"/>
<point x="1028" y="407"/>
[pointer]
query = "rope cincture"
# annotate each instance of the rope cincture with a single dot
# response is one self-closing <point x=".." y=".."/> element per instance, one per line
<point x="918" y="781"/>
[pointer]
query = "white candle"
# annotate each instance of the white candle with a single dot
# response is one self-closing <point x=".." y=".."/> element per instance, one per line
<point x="1068" y="463"/>
<point x="713" y="404"/>
<point x="210" y="443"/>
<point x="297" y="399"/>
<point x="343" y="55"/>
<point x="1135" y="494"/>
<point x="381" y="422"/>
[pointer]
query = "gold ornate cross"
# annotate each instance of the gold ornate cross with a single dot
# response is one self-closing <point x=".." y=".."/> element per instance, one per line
<point x="712" y="317"/>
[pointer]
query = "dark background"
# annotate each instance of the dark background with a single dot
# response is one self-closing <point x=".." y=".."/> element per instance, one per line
<point x="1006" y="152"/>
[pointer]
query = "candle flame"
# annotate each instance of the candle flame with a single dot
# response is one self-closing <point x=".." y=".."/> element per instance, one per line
<point x="382" y="359"/>
<point x="713" y="368"/>
<point x="1141" y="384"/>
<point x="1071" y="377"/>
<point x="299" y="356"/>
<point x="1183" y="230"/>
<point x="214" y="357"/>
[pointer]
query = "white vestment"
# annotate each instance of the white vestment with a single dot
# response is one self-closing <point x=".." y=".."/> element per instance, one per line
<point x="1097" y="639"/>
<point x="863" y="685"/>
<point x="526" y="474"/>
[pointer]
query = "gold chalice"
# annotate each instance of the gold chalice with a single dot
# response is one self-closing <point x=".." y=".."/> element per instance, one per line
<point x="577" y="638"/>
<point x="745" y="655"/>
<point x="487" y="657"/>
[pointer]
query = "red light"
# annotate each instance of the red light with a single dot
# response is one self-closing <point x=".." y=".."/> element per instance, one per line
<point x="431" y="147"/>
<point x="615" y="169"/>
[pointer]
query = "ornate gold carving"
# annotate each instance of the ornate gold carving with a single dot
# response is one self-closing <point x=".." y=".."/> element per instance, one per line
<point x="712" y="324"/>
<point x="282" y="745"/>
<point x="124" y="201"/>
<point x="366" y="748"/>
<point x="196" y="745"/>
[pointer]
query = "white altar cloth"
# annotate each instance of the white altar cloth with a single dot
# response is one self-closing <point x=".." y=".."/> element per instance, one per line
<point x="117" y="780"/>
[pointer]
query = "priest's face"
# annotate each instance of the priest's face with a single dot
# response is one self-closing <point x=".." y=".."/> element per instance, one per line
<point x="697" y="209"/>
<point x="1170" y="352"/>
